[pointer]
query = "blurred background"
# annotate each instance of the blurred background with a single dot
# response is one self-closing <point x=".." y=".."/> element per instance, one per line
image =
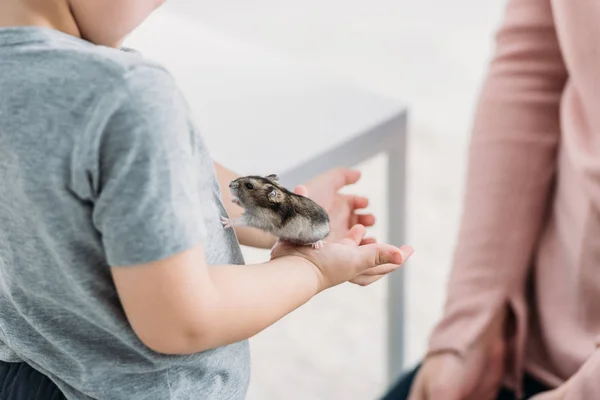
<point x="430" y="55"/>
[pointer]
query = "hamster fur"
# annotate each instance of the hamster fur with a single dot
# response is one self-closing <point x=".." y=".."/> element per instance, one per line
<point x="272" y="208"/>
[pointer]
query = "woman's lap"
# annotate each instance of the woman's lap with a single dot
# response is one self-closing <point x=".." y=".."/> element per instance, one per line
<point x="401" y="388"/>
<point x="19" y="381"/>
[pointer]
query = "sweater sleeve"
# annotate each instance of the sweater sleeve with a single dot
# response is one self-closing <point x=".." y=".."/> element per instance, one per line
<point x="512" y="162"/>
<point x="585" y="384"/>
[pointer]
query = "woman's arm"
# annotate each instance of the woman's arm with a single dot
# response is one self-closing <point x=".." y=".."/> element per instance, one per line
<point x="246" y="235"/>
<point x="583" y="385"/>
<point x="512" y="161"/>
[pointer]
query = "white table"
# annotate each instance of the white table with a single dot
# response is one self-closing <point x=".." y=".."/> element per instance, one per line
<point x="284" y="119"/>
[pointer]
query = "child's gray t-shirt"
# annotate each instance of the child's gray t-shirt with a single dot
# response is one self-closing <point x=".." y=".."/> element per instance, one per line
<point x="100" y="165"/>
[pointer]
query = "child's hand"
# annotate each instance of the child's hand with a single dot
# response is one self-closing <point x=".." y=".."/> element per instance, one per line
<point x="345" y="260"/>
<point x="325" y="191"/>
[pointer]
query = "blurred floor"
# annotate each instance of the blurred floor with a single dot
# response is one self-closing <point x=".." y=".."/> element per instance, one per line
<point x="431" y="54"/>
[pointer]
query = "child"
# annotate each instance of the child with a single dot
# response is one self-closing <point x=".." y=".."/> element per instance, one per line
<point x="117" y="280"/>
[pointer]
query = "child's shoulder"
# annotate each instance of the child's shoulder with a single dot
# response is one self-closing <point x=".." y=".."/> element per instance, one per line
<point x="104" y="87"/>
<point x="80" y="66"/>
<point x="112" y="79"/>
<point x="117" y="67"/>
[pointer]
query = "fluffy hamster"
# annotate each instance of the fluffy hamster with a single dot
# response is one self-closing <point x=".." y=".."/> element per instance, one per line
<point x="272" y="208"/>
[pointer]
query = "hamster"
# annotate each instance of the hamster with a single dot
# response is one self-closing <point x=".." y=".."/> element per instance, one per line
<point x="272" y="208"/>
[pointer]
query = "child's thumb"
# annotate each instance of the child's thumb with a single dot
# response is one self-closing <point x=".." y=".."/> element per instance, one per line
<point x="379" y="254"/>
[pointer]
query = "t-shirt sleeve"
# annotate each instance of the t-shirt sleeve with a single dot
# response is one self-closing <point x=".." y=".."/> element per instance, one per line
<point x="147" y="205"/>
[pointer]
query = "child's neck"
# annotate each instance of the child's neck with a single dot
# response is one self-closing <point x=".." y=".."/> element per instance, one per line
<point x="53" y="14"/>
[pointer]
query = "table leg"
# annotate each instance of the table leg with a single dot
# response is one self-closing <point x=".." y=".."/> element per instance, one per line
<point x="396" y="236"/>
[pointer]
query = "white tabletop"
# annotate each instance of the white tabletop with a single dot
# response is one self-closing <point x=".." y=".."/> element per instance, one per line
<point x="259" y="113"/>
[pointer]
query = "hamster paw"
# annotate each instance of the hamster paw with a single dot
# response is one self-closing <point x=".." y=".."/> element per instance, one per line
<point x="317" y="245"/>
<point x="227" y="222"/>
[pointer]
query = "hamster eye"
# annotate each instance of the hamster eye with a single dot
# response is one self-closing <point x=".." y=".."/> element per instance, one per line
<point x="249" y="186"/>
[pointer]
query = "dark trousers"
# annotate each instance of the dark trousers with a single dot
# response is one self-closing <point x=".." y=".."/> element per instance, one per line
<point x="401" y="389"/>
<point x="18" y="381"/>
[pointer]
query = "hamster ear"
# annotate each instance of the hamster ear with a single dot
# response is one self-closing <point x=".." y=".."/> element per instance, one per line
<point x="273" y="177"/>
<point x="272" y="195"/>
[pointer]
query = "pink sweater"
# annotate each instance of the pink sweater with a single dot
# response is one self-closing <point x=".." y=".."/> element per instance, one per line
<point x="532" y="204"/>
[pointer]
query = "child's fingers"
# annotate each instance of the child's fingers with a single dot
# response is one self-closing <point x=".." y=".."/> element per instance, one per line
<point x="356" y="234"/>
<point x="357" y="202"/>
<point x="349" y="176"/>
<point x="301" y="190"/>
<point x="382" y="269"/>
<point x="407" y="251"/>
<point x="369" y="240"/>
<point x="362" y="219"/>
<point x="365" y="219"/>
<point x="365" y="280"/>
<point x="378" y="254"/>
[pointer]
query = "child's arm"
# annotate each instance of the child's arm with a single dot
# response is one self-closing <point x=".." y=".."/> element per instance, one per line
<point x="180" y="305"/>
<point x="150" y="182"/>
<point x="246" y="235"/>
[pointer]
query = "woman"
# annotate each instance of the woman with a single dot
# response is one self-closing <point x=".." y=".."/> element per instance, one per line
<point x="523" y="309"/>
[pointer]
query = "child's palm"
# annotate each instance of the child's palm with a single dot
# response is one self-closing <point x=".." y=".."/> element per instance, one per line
<point x="344" y="260"/>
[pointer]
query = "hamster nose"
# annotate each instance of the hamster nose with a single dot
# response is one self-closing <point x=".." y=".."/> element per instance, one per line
<point x="234" y="185"/>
